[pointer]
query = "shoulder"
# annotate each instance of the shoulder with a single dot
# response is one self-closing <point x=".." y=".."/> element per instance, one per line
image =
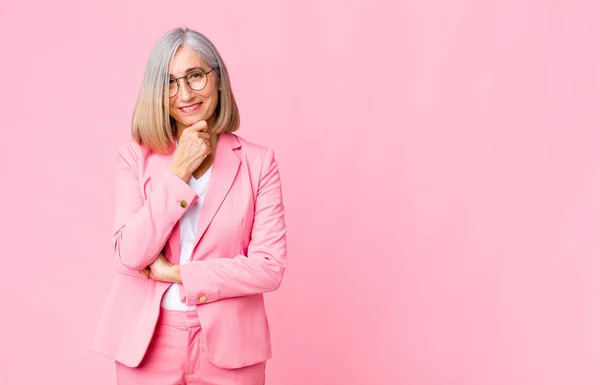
<point x="253" y="152"/>
<point x="131" y="152"/>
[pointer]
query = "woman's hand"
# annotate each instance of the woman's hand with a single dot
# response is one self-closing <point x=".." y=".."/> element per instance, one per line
<point x="193" y="147"/>
<point x="163" y="270"/>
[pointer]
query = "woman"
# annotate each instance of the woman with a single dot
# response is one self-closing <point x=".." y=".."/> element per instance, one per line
<point x="198" y="229"/>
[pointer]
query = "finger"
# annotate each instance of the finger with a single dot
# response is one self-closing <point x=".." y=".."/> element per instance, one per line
<point x="200" y="126"/>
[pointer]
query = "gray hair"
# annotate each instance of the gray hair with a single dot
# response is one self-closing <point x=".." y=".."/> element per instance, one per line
<point x="151" y="125"/>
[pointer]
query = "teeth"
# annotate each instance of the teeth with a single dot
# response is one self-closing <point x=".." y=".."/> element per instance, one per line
<point x="186" y="109"/>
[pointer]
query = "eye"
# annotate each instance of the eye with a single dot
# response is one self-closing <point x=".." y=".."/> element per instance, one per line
<point x="197" y="75"/>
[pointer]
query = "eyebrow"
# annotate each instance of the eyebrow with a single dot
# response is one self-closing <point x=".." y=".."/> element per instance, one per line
<point x="187" y="71"/>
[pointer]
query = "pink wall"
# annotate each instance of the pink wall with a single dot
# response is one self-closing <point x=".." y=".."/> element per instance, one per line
<point x="441" y="175"/>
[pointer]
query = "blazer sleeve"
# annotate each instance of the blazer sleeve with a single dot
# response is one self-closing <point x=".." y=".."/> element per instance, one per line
<point x="261" y="271"/>
<point x="141" y="226"/>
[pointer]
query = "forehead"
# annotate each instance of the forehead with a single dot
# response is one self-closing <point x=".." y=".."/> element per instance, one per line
<point x="184" y="59"/>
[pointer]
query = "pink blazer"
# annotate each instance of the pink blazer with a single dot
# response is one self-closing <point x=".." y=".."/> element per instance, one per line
<point x="240" y="252"/>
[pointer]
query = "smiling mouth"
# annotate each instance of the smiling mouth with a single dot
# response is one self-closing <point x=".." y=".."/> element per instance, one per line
<point x="190" y="108"/>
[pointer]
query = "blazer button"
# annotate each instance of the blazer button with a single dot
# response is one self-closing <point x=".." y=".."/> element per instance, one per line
<point x="202" y="299"/>
<point x="183" y="203"/>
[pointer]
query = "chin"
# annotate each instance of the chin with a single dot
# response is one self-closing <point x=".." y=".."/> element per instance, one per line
<point x="189" y="120"/>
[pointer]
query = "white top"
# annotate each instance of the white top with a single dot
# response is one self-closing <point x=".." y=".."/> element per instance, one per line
<point x="188" y="225"/>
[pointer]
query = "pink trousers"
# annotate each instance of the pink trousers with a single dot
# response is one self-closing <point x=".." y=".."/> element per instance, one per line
<point x="176" y="356"/>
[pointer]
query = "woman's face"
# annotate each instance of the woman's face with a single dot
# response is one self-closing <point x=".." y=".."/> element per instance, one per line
<point x="188" y="107"/>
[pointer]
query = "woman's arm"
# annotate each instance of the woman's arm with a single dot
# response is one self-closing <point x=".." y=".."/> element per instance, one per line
<point x="262" y="269"/>
<point x="142" y="227"/>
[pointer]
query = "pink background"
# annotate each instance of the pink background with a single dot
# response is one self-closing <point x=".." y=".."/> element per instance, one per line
<point x="441" y="176"/>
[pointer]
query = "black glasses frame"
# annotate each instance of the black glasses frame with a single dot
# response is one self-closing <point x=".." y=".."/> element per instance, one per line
<point x="187" y="81"/>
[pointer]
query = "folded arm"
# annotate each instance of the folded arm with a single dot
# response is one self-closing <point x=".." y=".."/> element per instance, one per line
<point x="141" y="226"/>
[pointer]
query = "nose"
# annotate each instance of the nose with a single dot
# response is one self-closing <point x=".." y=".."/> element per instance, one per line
<point x="185" y="92"/>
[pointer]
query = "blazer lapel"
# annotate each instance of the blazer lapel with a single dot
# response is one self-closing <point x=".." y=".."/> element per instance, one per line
<point x="224" y="170"/>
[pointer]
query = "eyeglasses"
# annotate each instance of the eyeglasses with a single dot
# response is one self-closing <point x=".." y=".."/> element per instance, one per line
<point x="196" y="80"/>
